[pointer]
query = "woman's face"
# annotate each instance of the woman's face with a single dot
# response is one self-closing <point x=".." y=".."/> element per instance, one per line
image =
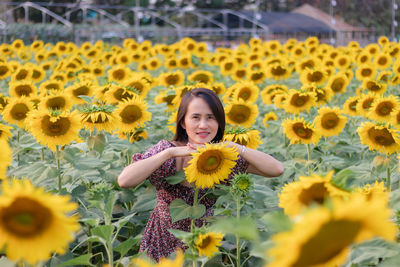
<point x="200" y="123"/>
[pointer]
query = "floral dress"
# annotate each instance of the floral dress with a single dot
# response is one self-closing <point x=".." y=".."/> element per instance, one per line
<point x="157" y="241"/>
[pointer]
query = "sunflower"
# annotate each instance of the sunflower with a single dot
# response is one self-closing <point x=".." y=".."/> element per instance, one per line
<point x="239" y="74"/>
<point x="84" y="87"/>
<point x="31" y="218"/>
<point x="309" y="190"/>
<point x="315" y="76"/>
<point x="22" y="88"/>
<point x="297" y="101"/>
<point x="270" y="116"/>
<point x="350" y="106"/>
<point x="5" y="70"/>
<point x="267" y="92"/>
<point x="278" y="71"/>
<point x="164" y="262"/>
<point x="382" y="108"/>
<point x="132" y="113"/>
<point x="175" y="78"/>
<point x="307" y="63"/>
<point x="365" y="71"/>
<point x="342" y="62"/>
<point x="118" y="73"/>
<point x="241" y="113"/>
<point x="218" y="87"/>
<point x="51" y="85"/>
<point x="363" y="58"/>
<point x="243" y="136"/>
<point x="374" y="86"/>
<point x="331" y="232"/>
<point x="375" y="191"/>
<point x="395" y="118"/>
<point x="373" y="49"/>
<point x="53" y="128"/>
<point x="138" y="84"/>
<point x="298" y="51"/>
<point x="246" y="91"/>
<point x="382" y="61"/>
<point x="256" y="76"/>
<point x="338" y="83"/>
<point x="166" y="97"/>
<point x="180" y="91"/>
<point x="202" y="76"/>
<point x="100" y="117"/>
<point x="37" y="45"/>
<point x="5" y="132"/>
<point x="16" y="111"/>
<point x="329" y="121"/>
<point x="3" y="101"/>
<point x="379" y="137"/>
<point x="300" y="132"/>
<point x="172" y="122"/>
<point x="365" y="102"/>
<point x="207" y="244"/>
<point x="56" y="101"/>
<point x="21" y="73"/>
<point x="395" y="80"/>
<point x="211" y="165"/>
<point x="228" y="67"/>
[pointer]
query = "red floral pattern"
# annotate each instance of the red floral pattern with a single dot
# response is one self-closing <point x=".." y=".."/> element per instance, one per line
<point x="157" y="241"/>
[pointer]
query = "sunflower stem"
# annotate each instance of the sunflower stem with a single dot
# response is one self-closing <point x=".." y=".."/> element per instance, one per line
<point x="237" y="236"/>
<point x="18" y="135"/>
<point x="196" y="195"/>
<point x="42" y="154"/>
<point x="309" y="159"/>
<point x="58" y="168"/>
<point x="388" y="177"/>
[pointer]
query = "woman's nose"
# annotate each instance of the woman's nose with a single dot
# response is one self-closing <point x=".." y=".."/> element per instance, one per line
<point x="203" y="123"/>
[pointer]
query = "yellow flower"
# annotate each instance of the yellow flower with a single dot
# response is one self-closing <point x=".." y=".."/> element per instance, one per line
<point x="51" y="85"/>
<point x="364" y="103"/>
<point x="229" y="66"/>
<point x="246" y="91"/>
<point x="241" y="113"/>
<point x="6" y="153"/>
<point x="239" y="74"/>
<point x="298" y="51"/>
<point x="329" y="121"/>
<point x="373" y="49"/>
<point x="267" y="92"/>
<point x="379" y="137"/>
<point x="307" y="63"/>
<point x="5" y="70"/>
<point x="300" y="132"/>
<point x="84" y="87"/>
<point x="256" y="76"/>
<point x="185" y="61"/>
<point x="34" y="218"/>
<point x="202" y="76"/>
<point x="297" y="102"/>
<point x="207" y="244"/>
<point x="338" y="83"/>
<point x="132" y="114"/>
<point x="175" y="78"/>
<point x="308" y="191"/>
<point x="21" y="73"/>
<point x="323" y="94"/>
<point x="118" y="73"/>
<point x="374" y="86"/>
<point x="16" y="111"/>
<point x="243" y="136"/>
<point x="382" y="108"/>
<point x="270" y="116"/>
<point x="315" y="76"/>
<point x="376" y="191"/>
<point x="167" y="98"/>
<point x="331" y="232"/>
<point x="365" y="71"/>
<point x="211" y="165"/>
<point x="350" y="106"/>
<point x="55" y="101"/>
<point x="54" y="128"/>
<point x="278" y="71"/>
<point x="382" y="61"/>
<point x="342" y="61"/>
<point x="22" y="88"/>
<point x="99" y="117"/>
<point x="219" y="88"/>
<point x="139" y="82"/>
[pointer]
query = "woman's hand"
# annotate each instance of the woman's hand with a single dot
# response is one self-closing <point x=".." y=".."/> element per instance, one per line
<point x="181" y="151"/>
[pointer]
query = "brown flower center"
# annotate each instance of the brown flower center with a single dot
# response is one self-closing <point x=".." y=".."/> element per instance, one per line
<point x="381" y="136"/>
<point x="330" y="120"/>
<point x="130" y="114"/>
<point x="384" y="108"/>
<point x="302" y="131"/>
<point x="57" y="128"/>
<point x="239" y="113"/>
<point x="19" y="111"/>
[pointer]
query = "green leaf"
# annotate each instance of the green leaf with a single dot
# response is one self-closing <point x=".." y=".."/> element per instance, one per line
<point x="103" y="231"/>
<point x="176" y="178"/>
<point x="125" y="246"/>
<point x="344" y="179"/>
<point x="181" y="235"/>
<point x="277" y="221"/>
<point x="180" y="210"/>
<point x="4" y="262"/>
<point x="87" y="99"/>
<point x="97" y="142"/>
<point x="244" y="227"/>
<point x="390" y="262"/>
<point x="81" y="260"/>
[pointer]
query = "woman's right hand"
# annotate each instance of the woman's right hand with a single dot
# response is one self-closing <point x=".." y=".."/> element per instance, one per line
<point x="181" y="151"/>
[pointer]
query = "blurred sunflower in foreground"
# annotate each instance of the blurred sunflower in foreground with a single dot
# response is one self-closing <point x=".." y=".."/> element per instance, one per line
<point x="32" y="218"/>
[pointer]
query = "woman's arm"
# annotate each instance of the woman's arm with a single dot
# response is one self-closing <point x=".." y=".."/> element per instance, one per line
<point x="260" y="163"/>
<point x="139" y="171"/>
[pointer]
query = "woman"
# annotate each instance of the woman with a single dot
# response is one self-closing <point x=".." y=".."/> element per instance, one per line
<point x="200" y="120"/>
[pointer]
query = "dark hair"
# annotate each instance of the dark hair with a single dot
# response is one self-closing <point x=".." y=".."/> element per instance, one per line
<point x="213" y="102"/>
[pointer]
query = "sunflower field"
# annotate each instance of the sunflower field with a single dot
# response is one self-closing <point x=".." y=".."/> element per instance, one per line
<point x="72" y="117"/>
